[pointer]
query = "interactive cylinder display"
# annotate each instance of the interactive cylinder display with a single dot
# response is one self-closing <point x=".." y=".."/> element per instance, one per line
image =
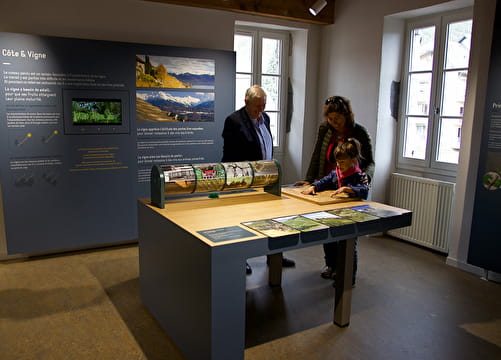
<point x="180" y="179"/>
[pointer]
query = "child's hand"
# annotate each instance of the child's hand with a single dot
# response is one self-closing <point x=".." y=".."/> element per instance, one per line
<point x="342" y="190"/>
<point x="309" y="190"/>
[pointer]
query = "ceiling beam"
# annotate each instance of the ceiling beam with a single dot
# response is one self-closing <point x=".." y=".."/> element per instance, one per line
<point x="296" y="10"/>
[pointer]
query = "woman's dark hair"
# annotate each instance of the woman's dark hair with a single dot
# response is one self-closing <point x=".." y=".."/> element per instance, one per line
<point x="340" y="105"/>
<point x="351" y="148"/>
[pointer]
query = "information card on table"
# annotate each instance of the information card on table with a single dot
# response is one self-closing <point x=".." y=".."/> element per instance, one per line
<point x="226" y="234"/>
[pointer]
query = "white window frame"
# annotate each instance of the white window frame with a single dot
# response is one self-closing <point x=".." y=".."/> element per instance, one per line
<point x="257" y="35"/>
<point x="428" y="166"/>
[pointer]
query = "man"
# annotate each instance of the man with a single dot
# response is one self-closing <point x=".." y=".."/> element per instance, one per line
<point x="247" y="137"/>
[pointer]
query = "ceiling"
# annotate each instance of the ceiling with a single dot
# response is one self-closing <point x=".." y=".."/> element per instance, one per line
<point x="296" y="10"/>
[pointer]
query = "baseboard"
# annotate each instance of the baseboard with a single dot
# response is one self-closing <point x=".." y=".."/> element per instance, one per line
<point x="487" y="275"/>
<point x="26" y="256"/>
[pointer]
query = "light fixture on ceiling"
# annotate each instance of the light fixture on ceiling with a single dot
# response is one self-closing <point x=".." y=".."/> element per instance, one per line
<point x="317" y="7"/>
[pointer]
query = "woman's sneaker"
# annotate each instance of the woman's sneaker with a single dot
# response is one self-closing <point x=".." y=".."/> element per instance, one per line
<point x="328" y="273"/>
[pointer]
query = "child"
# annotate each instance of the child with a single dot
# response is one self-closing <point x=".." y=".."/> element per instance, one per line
<point x="347" y="177"/>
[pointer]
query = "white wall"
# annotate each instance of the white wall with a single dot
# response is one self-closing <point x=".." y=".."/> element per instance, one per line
<point x="120" y="20"/>
<point x="297" y="62"/>
<point x="386" y="131"/>
<point x="300" y="139"/>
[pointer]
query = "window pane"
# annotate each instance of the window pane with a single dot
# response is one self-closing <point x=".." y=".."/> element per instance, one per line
<point x="271" y="56"/>
<point x="243" y="47"/>
<point x="243" y="82"/>
<point x="271" y="84"/>
<point x="449" y="141"/>
<point x="454" y="92"/>
<point x="261" y="53"/>
<point x="418" y="99"/>
<point x="274" y="126"/>
<point x="458" y="44"/>
<point x="422" y="47"/>
<point x="415" y="137"/>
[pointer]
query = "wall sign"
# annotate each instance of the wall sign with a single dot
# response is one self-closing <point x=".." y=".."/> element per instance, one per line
<point x="485" y="239"/>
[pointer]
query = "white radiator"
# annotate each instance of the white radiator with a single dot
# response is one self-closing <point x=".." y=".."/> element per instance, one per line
<point x="431" y="204"/>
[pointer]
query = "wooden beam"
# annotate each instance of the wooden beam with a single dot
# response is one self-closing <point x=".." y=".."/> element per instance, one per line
<point x="296" y="10"/>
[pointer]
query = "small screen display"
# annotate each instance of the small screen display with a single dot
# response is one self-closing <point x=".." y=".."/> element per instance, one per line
<point x="96" y="111"/>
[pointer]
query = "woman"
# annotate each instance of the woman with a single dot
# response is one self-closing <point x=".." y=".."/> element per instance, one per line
<point x="339" y="125"/>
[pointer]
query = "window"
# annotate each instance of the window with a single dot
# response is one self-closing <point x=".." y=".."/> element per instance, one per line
<point x="434" y="89"/>
<point x="262" y="59"/>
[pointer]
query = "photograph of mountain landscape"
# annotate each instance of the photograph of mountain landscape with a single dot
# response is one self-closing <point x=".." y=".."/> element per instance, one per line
<point x="174" y="72"/>
<point x="172" y="105"/>
<point x="184" y="89"/>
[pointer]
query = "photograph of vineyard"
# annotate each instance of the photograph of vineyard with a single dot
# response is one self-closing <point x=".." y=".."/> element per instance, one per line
<point x="328" y="219"/>
<point x="375" y="211"/>
<point x="265" y="172"/>
<point x="179" y="179"/>
<point x="354" y="215"/>
<point x="271" y="228"/>
<point x="209" y="177"/>
<point x="96" y="111"/>
<point x="301" y="223"/>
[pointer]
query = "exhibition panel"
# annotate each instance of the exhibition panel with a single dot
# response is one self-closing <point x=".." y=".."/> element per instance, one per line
<point x="83" y="121"/>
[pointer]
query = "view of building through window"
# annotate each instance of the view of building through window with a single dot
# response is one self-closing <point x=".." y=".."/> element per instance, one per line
<point x="436" y="78"/>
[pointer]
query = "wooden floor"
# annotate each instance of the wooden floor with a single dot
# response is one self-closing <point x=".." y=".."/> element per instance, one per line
<point x="408" y="304"/>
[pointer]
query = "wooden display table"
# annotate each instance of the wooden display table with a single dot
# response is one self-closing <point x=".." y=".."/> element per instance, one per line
<point x="192" y="257"/>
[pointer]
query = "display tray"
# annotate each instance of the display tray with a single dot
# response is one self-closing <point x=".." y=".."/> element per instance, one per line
<point x="321" y="198"/>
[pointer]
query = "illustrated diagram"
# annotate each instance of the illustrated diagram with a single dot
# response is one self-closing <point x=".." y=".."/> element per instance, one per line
<point x="22" y="141"/>
<point x="47" y="139"/>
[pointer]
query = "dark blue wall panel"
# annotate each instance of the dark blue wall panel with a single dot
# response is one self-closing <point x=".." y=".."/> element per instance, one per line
<point x="66" y="184"/>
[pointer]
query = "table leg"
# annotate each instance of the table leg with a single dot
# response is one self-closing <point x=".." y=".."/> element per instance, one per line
<point x="275" y="269"/>
<point x="344" y="278"/>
